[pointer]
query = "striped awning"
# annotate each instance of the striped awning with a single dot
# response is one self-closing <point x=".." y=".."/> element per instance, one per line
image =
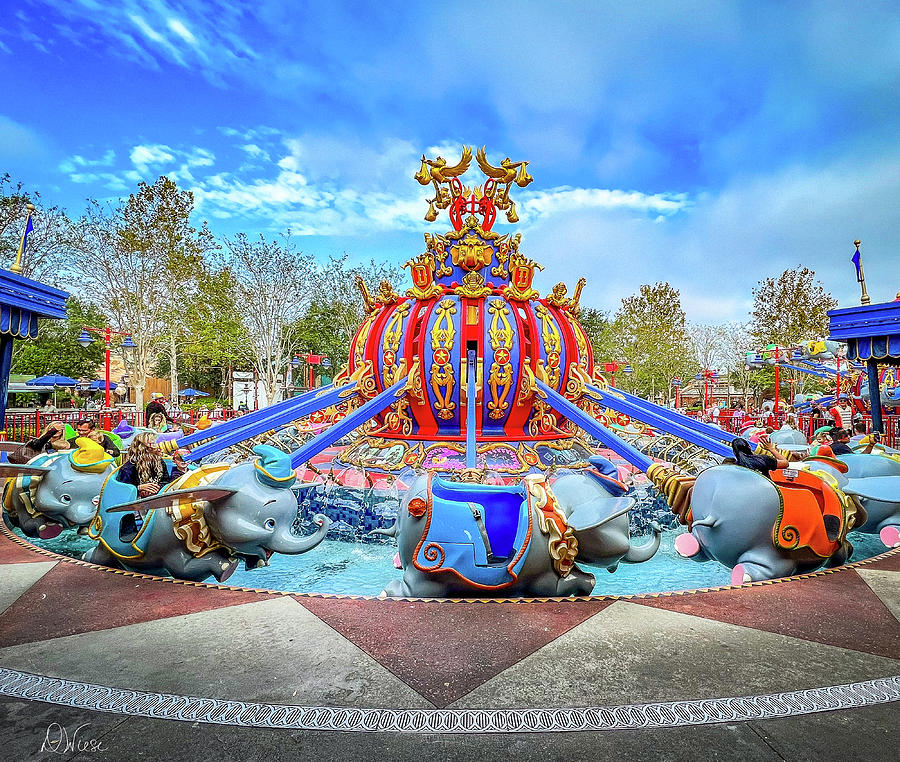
<point x="17" y="322"/>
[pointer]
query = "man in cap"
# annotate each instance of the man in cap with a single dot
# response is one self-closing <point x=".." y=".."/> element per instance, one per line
<point x="841" y="413"/>
<point x="155" y="405"/>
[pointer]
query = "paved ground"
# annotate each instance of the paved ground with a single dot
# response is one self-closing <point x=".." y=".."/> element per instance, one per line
<point x="345" y="678"/>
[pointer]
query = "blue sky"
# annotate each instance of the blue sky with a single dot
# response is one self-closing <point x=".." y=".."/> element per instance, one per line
<point x="708" y="144"/>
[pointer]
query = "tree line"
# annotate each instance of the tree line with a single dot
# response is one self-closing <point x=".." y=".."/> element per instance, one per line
<point x="196" y="305"/>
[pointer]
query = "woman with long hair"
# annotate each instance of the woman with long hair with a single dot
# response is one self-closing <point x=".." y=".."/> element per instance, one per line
<point x="764" y="464"/>
<point x="145" y="468"/>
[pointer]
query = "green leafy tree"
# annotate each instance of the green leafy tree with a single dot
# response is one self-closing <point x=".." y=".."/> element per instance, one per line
<point x="336" y="308"/>
<point x="650" y="333"/>
<point x="599" y="331"/>
<point x="141" y="262"/>
<point x="56" y="348"/>
<point x="790" y="308"/>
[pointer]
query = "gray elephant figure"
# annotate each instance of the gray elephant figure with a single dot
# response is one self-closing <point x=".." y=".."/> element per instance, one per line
<point x="791" y="439"/>
<point x="763" y="528"/>
<point x="205" y="521"/>
<point x="874" y="480"/>
<point x="55" y="491"/>
<point x="469" y="540"/>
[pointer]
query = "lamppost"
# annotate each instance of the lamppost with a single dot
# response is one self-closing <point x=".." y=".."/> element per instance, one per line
<point x="676" y="382"/>
<point x="107" y="333"/>
<point x="628" y="370"/>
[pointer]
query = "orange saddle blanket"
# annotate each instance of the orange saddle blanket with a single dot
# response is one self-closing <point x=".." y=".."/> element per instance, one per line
<point x="805" y="501"/>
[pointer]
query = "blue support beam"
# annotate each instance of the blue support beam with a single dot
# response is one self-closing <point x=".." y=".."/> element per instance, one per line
<point x="250" y="418"/>
<point x="282" y="417"/>
<point x="574" y="413"/>
<point x="343" y="427"/>
<point x="647" y="414"/>
<point x="670" y="416"/>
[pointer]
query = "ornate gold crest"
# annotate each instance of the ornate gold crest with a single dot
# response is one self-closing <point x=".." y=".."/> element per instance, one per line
<point x="473" y="286"/>
<point x="471" y="253"/>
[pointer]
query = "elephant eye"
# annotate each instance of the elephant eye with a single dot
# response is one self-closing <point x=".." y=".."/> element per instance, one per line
<point x="66" y="498"/>
<point x="270" y="523"/>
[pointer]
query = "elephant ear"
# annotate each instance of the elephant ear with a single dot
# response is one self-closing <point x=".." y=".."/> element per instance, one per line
<point x="885" y="489"/>
<point x="12" y="470"/>
<point x="598" y="511"/>
<point x="165" y="499"/>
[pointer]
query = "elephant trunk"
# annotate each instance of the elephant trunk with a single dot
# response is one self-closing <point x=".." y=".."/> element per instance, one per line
<point x="308" y="543"/>
<point x="639" y="554"/>
<point x="390" y="531"/>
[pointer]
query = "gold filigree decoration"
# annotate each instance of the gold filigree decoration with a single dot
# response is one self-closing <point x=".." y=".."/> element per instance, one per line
<point x="561" y="541"/>
<point x="500" y="376"/>
<point x="581" y="341"/>
<point x="473" y="286"/>
<point x="390" y="345"/>
<point x="575" y="301"/>
<point x="557" y="295"/>
<point x="436" y="172"/>
<point x="363" y="336"/>
<point x="543" y="420"/>
<point x="550" y="363"/>
<point x="386" y="293"/>
<point x="527" y="386"/>
<point x="422" y="270"/>
<point x="506" y="174"/>
<point x="521" y="274"/>
<point x="370" y="304"/>
<point x="576" y="383"/>
<point x="441" y="376"/>
<point x="471" y="253"/>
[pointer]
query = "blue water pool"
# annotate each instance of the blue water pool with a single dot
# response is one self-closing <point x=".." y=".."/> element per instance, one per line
<point x="357" y="568"/>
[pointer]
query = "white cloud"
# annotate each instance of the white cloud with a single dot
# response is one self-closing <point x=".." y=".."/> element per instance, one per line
<point x="562" y="199"/>
<point x="181" y="30"/>
<point x="143" y="156"/>
<point x="19" y="141"/>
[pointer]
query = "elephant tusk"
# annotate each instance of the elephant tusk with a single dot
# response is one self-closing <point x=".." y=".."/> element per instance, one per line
<point x="706" y="521"/>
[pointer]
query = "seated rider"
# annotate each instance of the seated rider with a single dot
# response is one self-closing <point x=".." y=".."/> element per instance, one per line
<point x="764" y="464"/>
<point x="51" y="440"/>
<point x="841" y="443"/>
<point x="145" y="468"/>
<point x="85" y="428"/>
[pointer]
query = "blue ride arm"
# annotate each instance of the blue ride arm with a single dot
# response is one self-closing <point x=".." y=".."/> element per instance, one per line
<point x="344" y="426"/>
<point x="670" y="416"/>
<point x="647" y="414"/>
<point x="809" y="371"/>
<point x="574" y="413"/>
<point x="245" y="420"/>
<point x="281" y="418"/>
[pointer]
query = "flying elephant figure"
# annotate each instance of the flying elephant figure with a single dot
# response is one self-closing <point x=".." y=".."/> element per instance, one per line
<point x="763" y="528"/>
<point x="56" y="491"/>
<point x="474" y="540"/>
<point x="205" y="522"/>
<point x="874" y="481"/>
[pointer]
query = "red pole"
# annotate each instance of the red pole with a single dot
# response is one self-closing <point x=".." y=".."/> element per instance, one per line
<point x="777" y="390"/>
<point x="311" y="376"/>
<point x="107" y="367"/>
<point x="838" y="390"/>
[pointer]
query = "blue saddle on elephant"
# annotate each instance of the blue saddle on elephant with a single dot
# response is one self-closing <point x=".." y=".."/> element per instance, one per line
<point x="122" y="533"/>
<point x="478" y="532"/>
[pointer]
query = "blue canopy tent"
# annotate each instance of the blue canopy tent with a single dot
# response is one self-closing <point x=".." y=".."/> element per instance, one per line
<point x="100" y="385"/>
<point x="192" y="393"/>
<point x="54" y="380"/>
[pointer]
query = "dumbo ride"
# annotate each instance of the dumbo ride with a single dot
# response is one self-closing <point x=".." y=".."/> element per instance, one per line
<point x="793" y="522"/>
<point x="203" y="523"/>
<point x="55" y="491"/>
<point x="474" y="540"/>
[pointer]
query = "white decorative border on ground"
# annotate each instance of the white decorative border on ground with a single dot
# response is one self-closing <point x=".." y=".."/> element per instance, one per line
<point x="670" y="714"/>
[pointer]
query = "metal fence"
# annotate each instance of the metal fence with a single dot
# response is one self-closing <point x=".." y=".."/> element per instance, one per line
<point x="21" y="427"/>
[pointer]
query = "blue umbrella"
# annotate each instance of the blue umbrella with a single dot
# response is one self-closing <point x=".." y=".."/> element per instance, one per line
<point x="192" y="393"/>
<point x="95" y="385"/>
<point x="52" y="380"/>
